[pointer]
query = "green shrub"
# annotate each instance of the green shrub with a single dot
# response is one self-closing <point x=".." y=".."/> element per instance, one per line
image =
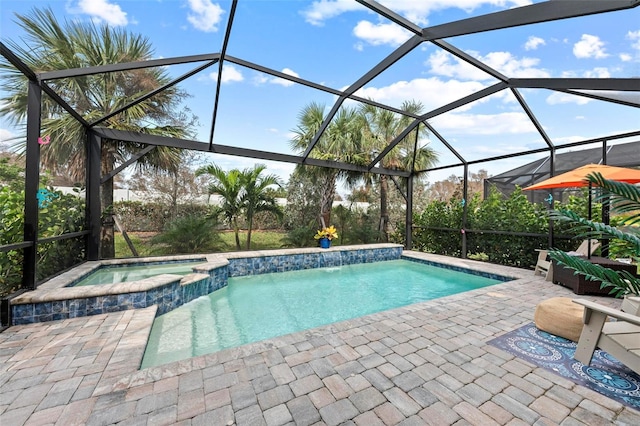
<point x="189" y="234"/>
<point x="438" y="228"/>
<point x="301" y="236"/>
<point x="137" y="216"/>
<point x="62" y="215"/>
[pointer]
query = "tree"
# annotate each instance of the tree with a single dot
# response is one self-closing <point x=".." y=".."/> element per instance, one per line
<point x="452" y="187"/>
<point x="11" y="171"/>
<point x="51" y="45"/>
<point x="257" y="196"/>
<point x="229" y="185"/>
<point x="172" y="187"/>
<point x="341" y="141"/>
<point x="383" y="126"/>
<point x="244" y="192"/>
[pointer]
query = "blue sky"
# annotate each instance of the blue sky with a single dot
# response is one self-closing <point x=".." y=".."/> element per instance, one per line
<point x="334" y="42"/>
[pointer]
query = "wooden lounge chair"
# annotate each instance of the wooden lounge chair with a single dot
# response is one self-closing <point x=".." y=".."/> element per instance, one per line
<point x="620" y="338"/>
<point x="545" y="267"/>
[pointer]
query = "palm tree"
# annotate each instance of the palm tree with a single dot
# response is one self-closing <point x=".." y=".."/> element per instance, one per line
<point x="381" y="127"/>
<point x="51" y="45"/>
<point x="257" y="197"/>
<point x="230" y="187"/>
<point x="341" y="141"/>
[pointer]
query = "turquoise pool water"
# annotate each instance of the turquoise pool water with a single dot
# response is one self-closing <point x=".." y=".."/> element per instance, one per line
<point x="128" y="273"/>
<point x="258" y="307"/>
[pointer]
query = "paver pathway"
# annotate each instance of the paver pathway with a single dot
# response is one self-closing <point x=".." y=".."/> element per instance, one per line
<point x="427" y="363"/>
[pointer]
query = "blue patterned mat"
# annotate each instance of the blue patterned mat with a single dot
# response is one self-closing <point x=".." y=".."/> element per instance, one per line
<point x="605" y="374"/>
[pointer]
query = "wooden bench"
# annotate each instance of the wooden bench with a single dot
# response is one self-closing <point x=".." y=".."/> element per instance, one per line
<point x="621" y="338"/>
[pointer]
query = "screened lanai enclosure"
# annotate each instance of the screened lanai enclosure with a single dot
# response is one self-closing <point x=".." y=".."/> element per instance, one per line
<point x="483" y="107"/>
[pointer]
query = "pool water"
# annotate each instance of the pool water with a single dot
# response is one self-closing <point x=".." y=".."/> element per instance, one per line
<point x="128" y="273"/>
<point x="258" y="307"/>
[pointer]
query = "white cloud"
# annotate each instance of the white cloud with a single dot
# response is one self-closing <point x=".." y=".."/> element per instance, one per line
<point x="282" y="81"/>
<point x="325" y="9"/>
<point x="485" y="124"/>
<point x="260" y="79"/>
<point x="598" y="72"/>
<point x="378" y="34"/>
<point x="557" y="98"/>
<point x="103" y="10"/>
<point x="589" y="46"/>
<point x="625" y="57"/>
<point x="634" y="36"/>
<point x="432" y="92"/>
<point x="414" y="11"/>
<point x="5" y="136"/>
<point x="205" y="15"/>
<point x="230" y="74"/>
<point x="568" y="139"/>
<point x="443" y="63"/>
<point x="533" y="43"/>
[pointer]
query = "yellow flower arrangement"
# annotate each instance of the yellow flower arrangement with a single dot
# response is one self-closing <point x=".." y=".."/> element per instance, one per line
<point x="329" y="233"/>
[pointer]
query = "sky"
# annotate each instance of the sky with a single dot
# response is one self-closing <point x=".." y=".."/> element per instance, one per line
<point x="335" y="42"/>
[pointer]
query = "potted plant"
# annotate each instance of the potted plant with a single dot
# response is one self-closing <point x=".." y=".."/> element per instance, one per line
<point x="325" y="235"/>
<point x="623" y="198"/>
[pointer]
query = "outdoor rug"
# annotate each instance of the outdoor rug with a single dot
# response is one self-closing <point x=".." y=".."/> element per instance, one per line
<point x="605" y="374"/>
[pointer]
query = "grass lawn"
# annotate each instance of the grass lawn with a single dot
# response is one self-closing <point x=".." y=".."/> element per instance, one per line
<point x="260" y="240"/>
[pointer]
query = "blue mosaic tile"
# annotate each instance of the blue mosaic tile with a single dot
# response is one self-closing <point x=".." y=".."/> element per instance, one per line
<point x="22" y="320"/>
<point x="42" y="309"/>
<point x="139" y="299"/>
<point x="110" y="303"/>
<point x="329" y="260"/>
<point x="22" y="311"/>
<point x="94" y="305"/>
<point x="43" y="318"/>
<point x="153" y="296"/>
<point x="125" y="301"/>
<point x="60" y="307"/>
<point x="77" y="308"/>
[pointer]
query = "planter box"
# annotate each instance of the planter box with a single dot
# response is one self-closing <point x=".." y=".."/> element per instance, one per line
<point x="579" y="284"/>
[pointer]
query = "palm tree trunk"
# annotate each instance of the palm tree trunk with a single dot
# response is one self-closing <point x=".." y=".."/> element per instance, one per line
<point x="174" y="196"/>
<point x="384" y="214"/>
<point x="236" y="230"/>
<point x="249" y="226"/>
<point x="328" y="192"/>
<point x="107" y="243"/>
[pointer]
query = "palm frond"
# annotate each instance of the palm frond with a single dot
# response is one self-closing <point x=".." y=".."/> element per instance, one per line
<point x="621" y="282"/>
<point x="623" y="197"/>
<point x="590" y="229"/>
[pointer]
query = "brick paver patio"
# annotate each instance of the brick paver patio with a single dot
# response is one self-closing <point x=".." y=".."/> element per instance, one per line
<point x="427" y="363"/>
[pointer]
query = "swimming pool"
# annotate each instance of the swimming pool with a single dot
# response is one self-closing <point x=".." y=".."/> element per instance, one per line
<point x="128" y="273"/>
<point x="253" y="308"/>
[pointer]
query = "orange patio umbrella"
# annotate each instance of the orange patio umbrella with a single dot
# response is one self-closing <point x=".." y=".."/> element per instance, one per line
<point x="576" y="177"/>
